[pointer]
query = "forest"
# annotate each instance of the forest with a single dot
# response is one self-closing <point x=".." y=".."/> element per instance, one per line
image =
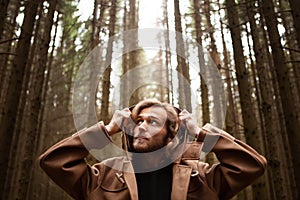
<point x="67" y="64"/>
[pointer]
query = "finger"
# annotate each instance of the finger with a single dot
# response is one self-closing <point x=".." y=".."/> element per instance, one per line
<point x="183" y="112"/>
<point x="184" y="117"/>
<point x="126" y="110"/>
<point x="123" y="113"/>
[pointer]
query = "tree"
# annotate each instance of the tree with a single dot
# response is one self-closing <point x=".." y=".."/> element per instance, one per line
<point x="7" y="44"/>
<point x="3" y="9"/>
<point x="245" y="92"/>
<point x="203" y="85"/>
<point x="276" y="175"/>
<point x="295" y="8"/>
<point x="182" y="66"/>
<point x="31" y="122"/>
<point x="167" y="47"/>
<point x="291" y="115"/>
<point x="107" y="72"/>
<point x="8" y="121"/>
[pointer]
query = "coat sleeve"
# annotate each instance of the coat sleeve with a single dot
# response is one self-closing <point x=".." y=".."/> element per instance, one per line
<point x="65" y="162"/>
<point x="239" y="163"/>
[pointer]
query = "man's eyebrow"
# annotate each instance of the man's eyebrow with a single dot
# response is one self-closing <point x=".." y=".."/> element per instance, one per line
<point x="149" y="116"/>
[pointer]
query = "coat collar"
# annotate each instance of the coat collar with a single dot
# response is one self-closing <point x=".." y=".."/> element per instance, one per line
<point x="180" y="183"/>
<point x="129" y="177"/>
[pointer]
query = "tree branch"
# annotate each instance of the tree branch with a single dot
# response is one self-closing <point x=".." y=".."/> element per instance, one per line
<point x="12" y="39"/>
<point x="7" y="53"/>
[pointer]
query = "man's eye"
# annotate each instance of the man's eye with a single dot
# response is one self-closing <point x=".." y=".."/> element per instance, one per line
<point x="139" y="122"/>
<point x="153" y="122"/>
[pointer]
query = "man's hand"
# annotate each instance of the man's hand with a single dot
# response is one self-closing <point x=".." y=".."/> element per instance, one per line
<point x="120" y="119"/>
<point x="189" y="122"/>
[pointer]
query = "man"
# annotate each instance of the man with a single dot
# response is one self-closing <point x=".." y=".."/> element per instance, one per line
<point x="161" y="164"/>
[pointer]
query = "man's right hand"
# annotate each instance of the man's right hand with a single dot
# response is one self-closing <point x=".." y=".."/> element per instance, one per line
<point x="120" y="119"/>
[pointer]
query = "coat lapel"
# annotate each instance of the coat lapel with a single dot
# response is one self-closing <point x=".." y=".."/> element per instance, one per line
<point x="181" y="179"/>
<point x="130" y="180"/>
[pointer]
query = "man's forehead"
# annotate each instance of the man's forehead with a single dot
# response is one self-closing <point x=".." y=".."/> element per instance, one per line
<point x="154" y="111"/>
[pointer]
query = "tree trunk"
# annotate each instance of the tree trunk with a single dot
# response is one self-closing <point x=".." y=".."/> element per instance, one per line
<point x="93" y="41"/>
<point x="218" y="106"/>
<point x="275" y="171"/>
<point x="39" y="178"/>
<point x="167" y="52"/>
<point x="92" y="68"/>
<point x="37" y="102"/>
<point x="203" y="85"/>
<point x="295" y="8"/>
<point x="30" y="141"/>
<point x="231" y="124"/>
<point x="106" y="76"/>
<point x="3" y="12"/>
<point x="248" y="114"/>
<point x="132" y="42"/>
<point x="100" y="22"/>
<point x="8" y="121"/>
<point x="125" y="58"/>
<point x="18" y="139"/>
<point x="286" y="94"/>
<point x="7" y="47"/>
<point x="286" y="152"/>
<point x="182" y="67"/>
<point x="293" y="48"/>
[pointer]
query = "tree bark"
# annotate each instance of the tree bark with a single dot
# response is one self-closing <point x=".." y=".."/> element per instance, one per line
<point x="203" y="85"/>
<point x="107" y="72"/>
<point x="242" y="73"/>
<point x="16" y="153"/>
<point x="167" y="52"/>
<point x="182" y="66"/>
<point x="125" y="58"/>
<point x="3" y="12"/>
<point x="295" y="8"/>
<point x="218" y="106"/>
<point x="275" y="171"/>
<point x="8" y="121"/>
<point x="7" y="47"/>
<point x="291" y="116"/>
<point x="231" y="124"/>
<point x="31" y="123"/>
<point x="293" y="48"/>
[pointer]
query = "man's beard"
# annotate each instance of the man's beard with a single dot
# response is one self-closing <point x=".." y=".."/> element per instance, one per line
<point x="145" y="147"/>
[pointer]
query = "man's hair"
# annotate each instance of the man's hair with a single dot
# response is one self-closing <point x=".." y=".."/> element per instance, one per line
<point x="172" y="121"/>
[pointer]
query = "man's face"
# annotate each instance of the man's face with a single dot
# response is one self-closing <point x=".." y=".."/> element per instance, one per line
<point x="150" y="134"/>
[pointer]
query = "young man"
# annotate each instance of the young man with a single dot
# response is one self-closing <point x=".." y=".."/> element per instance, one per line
<point x="158" y="168"/>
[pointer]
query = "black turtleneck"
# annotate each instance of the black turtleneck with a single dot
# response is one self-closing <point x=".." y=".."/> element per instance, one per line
<point x="155" y="185"/>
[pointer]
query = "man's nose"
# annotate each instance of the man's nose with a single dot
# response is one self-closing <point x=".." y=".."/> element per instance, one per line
<point x="143" y="126"/>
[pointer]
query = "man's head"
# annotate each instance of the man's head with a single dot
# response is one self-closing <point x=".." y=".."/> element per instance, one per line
<point x="156" y="125"/>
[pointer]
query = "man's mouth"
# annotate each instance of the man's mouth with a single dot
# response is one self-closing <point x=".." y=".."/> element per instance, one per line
<point x="141" y="138"/>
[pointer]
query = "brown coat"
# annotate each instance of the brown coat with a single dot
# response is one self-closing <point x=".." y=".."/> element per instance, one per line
<point x="239" y="166"/>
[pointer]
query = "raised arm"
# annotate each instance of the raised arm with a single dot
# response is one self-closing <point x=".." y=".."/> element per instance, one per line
<point x="239" y="164"/>
<point x="65" y="161"/>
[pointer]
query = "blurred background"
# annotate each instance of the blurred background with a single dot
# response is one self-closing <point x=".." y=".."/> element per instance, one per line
<point x="254" y="44"/>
